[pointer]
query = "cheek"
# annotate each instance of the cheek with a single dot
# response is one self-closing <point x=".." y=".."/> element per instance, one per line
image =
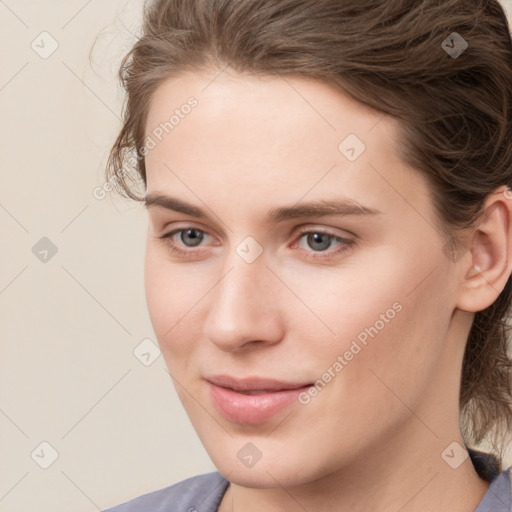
<point x="169" y="296"/>
<point x="158" y="290"/>
<point x="352" y="301"/>
<point x="399" y="358"/>
<point x="380" y="319"/>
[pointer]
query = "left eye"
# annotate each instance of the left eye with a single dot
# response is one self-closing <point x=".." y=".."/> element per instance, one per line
<point x="318" y="241"/>
<point x="190" y="237"/>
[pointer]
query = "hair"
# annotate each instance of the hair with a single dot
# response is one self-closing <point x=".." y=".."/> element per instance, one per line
<point x="454" y="113"/>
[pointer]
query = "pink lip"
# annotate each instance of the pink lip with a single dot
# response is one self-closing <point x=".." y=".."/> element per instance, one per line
<point x="227" y="394"/>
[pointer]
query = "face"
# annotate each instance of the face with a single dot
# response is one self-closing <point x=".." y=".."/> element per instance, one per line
<point x="294" y="278"/>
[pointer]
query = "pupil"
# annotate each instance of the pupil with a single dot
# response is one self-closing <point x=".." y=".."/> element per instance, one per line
<point x="191" y="237"/>
<point x="319" y="241"/>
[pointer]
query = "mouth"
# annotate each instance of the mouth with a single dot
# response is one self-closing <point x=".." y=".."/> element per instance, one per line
<point x="254" y="392"/>
<point x="252" y="400"/>
<point x="255" y="384"/>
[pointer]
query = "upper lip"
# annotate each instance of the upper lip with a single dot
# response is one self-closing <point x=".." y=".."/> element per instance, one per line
<point x="253" y="383"/>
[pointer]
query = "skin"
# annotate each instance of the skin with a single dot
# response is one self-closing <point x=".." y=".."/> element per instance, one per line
<point x="373" y="438"/>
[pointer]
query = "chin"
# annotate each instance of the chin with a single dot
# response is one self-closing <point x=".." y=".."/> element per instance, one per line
<point x="276" y="468"/>
<point x="266" y="476"/>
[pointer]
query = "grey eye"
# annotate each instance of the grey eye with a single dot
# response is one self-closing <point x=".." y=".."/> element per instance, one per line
<point x="191" y="237"/>
<point x="319" y="241"/>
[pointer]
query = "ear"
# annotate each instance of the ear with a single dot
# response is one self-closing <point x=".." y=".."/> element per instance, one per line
<point x="487" y="265"/>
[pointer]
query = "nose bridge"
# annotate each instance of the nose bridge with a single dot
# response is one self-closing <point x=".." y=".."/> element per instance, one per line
<point x="238" y="295"/>
<point x="242" y="308"/>
<point x="238" y="291"/>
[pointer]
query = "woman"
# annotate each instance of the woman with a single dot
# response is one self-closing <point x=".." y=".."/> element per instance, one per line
<point x="329" y="247"/>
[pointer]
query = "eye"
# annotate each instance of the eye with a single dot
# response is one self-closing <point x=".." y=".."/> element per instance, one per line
<point x="318" y="244"/>
<point x="190" y="237"/>
<point x="318" y="241"/>
<point x="182" y="242"/>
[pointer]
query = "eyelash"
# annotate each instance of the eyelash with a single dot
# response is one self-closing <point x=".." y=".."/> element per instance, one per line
<point x="347" y="243"/>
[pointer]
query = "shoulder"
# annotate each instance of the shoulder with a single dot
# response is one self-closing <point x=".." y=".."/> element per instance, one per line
<point x="498" y="497"/>
<point x="199" y="493"/>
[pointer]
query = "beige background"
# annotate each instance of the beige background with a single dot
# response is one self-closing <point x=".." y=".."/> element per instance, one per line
<point x="69" y="326"/>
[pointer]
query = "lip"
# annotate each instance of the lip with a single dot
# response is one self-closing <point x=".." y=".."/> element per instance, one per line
<point x="252" y="400"/>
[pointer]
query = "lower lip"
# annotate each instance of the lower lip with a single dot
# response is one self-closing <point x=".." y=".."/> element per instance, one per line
<point x="252" y="409"/>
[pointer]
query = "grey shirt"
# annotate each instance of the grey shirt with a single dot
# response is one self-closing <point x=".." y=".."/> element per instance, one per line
<point x="203" y="493"/>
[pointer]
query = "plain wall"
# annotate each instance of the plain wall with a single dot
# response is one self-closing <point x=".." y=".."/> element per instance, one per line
<point x="69" y="325"/>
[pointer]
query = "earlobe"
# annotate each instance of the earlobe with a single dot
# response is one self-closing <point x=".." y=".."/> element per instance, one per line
<point x="487" y="264"/>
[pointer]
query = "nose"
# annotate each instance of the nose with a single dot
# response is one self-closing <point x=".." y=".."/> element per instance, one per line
<point x="244" y="308"/>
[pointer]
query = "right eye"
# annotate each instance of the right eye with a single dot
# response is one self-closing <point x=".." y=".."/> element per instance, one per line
<point x="182" y="241"/>
<point x="190" y="237"/>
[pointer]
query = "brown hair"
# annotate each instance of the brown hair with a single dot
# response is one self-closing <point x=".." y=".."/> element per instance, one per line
<point x="455" y="114"/>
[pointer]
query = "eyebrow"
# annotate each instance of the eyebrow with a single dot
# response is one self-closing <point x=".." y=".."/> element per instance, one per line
<point x="320" y="208"/>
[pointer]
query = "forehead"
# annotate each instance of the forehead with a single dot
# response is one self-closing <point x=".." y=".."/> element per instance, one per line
<point x="224" y="95"/>
<point x="275" y="140"/>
